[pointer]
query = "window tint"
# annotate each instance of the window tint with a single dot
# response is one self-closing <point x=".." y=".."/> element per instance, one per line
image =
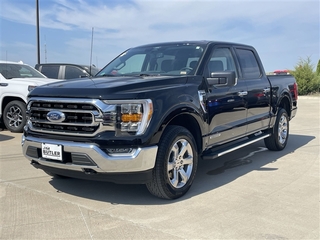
<point x="74" y="72"/>
<point x="248" y="63"/>
<point x="221" y="60"/>
<point x="50" y="71"/>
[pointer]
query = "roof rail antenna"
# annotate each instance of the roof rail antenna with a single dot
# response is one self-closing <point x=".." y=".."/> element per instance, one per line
<point x="91" y="52"/>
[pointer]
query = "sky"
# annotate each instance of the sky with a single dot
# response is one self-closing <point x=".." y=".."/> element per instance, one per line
<point x="282" y="31"/>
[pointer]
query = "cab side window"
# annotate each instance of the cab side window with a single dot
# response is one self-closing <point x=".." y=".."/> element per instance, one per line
<point x="51" y="71"/>
<point x="220" y="60"/>
<point x="248" y="63"/>
<point x="74" y="72"/>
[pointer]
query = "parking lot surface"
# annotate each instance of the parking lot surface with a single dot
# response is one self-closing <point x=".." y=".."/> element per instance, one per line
<point x="259" y="195"/>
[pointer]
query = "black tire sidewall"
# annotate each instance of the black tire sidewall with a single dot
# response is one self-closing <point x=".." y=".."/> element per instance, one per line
<point x="22" y="107"/>
<point x="183" y="133"/>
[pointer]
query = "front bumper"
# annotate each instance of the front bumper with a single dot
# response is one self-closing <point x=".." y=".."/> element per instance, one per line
<point x="88" y="159"/>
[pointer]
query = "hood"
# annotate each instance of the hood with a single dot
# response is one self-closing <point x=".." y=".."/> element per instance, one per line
<point x="33" y="81"/>
<point x="108" y="87"/>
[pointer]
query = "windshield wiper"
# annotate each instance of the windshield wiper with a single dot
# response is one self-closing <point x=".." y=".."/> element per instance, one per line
<point x="127" y="75"/>
<point x="106" y="75"/>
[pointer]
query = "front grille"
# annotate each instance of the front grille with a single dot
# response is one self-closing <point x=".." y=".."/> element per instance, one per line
<point x="79" y="118"/>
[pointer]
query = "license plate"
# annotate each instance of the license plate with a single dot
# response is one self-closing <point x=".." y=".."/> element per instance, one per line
<point x="52" y="151"/>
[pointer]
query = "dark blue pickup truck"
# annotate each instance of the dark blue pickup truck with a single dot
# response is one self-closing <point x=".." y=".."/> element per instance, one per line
<point x="154" y="111"/>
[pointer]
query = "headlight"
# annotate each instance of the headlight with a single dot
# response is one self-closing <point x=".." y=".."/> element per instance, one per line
<point x="31" y="87"/>
<point x="132" y="116"/>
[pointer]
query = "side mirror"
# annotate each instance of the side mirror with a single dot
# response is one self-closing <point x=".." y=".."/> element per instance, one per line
<point x="226" y="78"/>
<point x="121" y="65"/>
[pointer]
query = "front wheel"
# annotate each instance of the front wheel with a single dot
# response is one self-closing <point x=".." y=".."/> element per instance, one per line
<point x="176" y="164"/>
<point x="14" y="116"/>
<point x="280" y="132"/>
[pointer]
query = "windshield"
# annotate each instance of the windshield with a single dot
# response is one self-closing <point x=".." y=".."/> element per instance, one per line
<point x="174" y="59"/>
<point x="9" y="71"/>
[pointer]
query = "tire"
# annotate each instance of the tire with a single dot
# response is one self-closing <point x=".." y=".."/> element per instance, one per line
<point x="171" y="178"/>
<point x="14" y="116"/>
<point x="280" y="132"/>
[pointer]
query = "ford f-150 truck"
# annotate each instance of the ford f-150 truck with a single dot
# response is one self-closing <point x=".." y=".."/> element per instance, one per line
<point x="150" y="114"/>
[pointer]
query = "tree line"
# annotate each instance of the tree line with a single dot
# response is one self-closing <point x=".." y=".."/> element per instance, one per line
<point x="308" y="80"/>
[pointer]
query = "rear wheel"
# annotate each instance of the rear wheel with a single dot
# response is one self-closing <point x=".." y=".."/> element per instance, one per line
<point x="14" y="116"/>
<point x="280" y="133"/>
<point x="176" y="164"/>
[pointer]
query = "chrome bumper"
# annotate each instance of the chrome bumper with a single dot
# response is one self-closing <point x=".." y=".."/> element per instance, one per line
<point x="141" y="159"/>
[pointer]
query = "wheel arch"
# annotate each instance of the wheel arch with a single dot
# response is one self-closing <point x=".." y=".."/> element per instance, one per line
<point x="187" y="118"/>
<point x="8" y="99"/>
<point x="189" y="122"/>
<point x="285" y="102"/>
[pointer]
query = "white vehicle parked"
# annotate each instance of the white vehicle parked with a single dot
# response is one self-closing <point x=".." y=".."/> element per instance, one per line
<point x="16" y="81"/>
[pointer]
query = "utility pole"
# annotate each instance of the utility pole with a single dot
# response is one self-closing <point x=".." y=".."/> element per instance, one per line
<point x="91" y="51"/>
<point x="38" y="38"/>
<point x="45" y="49"/>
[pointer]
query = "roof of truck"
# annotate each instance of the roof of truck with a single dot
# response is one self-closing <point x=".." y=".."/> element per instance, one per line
<point x="193" y="42"/>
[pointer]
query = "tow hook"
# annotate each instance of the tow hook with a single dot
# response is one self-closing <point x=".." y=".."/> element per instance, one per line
<point x="89" y="171"/>
<point x="35" y="164"/>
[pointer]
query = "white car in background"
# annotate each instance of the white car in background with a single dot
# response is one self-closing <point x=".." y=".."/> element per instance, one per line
<point x="16" y="81"/>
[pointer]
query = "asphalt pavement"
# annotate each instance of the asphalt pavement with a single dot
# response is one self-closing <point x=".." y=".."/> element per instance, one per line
<point x="259" y="195"/>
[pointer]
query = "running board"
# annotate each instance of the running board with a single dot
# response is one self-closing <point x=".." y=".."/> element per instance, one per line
<point x="219" y="151"/>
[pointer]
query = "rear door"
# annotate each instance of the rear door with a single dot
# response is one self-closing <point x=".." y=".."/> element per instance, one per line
<point x="258" y="98"/>
<point x="226" y="105"/>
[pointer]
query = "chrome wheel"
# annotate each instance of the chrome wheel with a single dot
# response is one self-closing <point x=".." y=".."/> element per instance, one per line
<point x="14" y="116"/>
<point x="279" y="134"/>
<point x="283" y="129"/>
<point x="180" y="163"/>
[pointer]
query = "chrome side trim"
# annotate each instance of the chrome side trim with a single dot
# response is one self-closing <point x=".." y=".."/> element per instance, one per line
<point x="201" y="95"/>
<point x="243" y="145"/>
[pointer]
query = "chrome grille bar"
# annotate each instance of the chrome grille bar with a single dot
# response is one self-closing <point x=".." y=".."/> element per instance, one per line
<point x="82" y="117"/>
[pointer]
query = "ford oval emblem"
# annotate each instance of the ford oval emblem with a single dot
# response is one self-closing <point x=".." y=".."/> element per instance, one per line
<point x="56" y="116"/>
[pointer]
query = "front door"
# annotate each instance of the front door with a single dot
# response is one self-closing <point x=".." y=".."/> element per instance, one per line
<point x="226" y="105"/>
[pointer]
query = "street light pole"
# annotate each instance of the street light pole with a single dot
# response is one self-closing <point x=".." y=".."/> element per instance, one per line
<point x="38" y="38"/>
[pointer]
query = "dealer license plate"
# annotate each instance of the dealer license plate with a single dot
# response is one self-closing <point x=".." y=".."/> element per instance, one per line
<point x="52" y="151"/>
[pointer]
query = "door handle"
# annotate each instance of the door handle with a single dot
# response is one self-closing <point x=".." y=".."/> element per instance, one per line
<point x="242" y="93"/>
<point x="3" y="84"/>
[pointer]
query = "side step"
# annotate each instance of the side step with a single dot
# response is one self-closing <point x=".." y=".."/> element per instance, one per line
<point x="222" y="150"/>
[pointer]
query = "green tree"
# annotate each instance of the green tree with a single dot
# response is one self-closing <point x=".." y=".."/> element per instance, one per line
<point x="318" y="68"/>
<point x="308" y="81"/>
